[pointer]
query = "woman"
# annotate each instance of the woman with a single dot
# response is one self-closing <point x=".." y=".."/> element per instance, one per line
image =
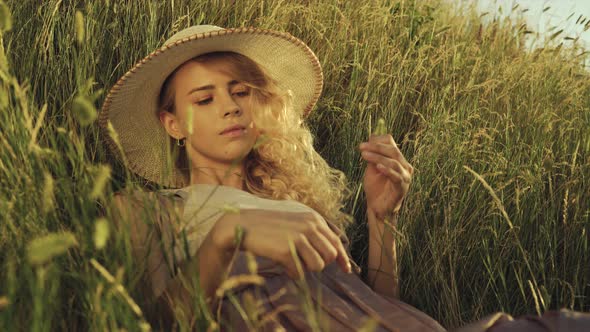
<point x="217" y="116"/>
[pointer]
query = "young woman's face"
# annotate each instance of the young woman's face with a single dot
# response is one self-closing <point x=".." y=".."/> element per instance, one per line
<point x="217" y="101"/>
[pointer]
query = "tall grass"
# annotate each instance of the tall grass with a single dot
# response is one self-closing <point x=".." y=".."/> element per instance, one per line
<point x="497" y="218"/>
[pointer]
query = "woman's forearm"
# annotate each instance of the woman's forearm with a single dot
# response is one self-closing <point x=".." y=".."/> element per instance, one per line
<point x="382" y="273"/>
<point x="210" y="263"/>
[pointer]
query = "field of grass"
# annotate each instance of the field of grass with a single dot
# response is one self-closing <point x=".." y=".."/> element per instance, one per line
<point x="498" y="216"/>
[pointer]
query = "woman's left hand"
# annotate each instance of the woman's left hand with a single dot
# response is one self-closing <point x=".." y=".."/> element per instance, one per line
<point x="387" y="177"/>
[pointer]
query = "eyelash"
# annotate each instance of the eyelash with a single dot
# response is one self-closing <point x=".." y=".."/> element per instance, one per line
<point x="208" y="100"/>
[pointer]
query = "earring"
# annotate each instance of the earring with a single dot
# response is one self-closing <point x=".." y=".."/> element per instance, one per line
<point x="181" y="142"/>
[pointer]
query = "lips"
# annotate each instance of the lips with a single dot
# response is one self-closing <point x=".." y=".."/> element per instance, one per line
<point x="234" y="127"/>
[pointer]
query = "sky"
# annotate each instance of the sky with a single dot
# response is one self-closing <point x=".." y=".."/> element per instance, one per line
<point x="547" y="22"/>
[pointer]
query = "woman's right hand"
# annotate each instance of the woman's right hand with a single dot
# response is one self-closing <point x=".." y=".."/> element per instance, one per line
<point x="268" y="234"/>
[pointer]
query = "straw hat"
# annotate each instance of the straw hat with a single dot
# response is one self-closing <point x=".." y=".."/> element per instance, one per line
<point x="131" y="105"/>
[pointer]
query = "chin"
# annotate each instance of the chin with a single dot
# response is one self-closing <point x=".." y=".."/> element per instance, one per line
<point x="236" y="154"/>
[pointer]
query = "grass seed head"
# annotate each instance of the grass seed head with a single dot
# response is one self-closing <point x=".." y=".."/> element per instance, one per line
<point x="84" y="110"/>
<point x="5" y="17"/>
<point x="230" y="208"/>
<point x="80" y="31"/>
<point x="144" y="326"/>
<point x="43" y="249"/>
<point x="3" y="89"/>
<point x="370" y="325"/>
<point x="42" y="152"/>
<point x="115" y="139"/>
<point x="235" y="281"/>
<point x="101" y="233"/>
<point x="238" y="235"/>
<point x="251" y="263"/>
<point x="380" y="129"/>
<point x="189" y="120"/>
<point x="48" y="196"/>
<point x="4" y="302"/>
<point x="3" y="60"/>
<point x="103" y="174"/>
<point x="113" y="134"/>
<point x="250" y="306"/>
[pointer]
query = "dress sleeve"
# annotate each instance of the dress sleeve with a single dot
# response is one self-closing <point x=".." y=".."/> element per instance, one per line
<point x="147" y="218"/>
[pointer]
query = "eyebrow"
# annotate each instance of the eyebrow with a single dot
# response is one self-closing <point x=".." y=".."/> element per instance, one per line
<point x="211" y="87"/>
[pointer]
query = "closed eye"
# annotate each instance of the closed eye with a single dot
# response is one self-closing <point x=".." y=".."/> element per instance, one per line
<point x="209" y="100"/>
<point x="242" y="93"/>
<point x="204" y="101"/>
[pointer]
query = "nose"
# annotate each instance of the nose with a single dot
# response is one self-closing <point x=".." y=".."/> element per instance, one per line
<point x="230" y="107"/>
<point x="237" y="111"/>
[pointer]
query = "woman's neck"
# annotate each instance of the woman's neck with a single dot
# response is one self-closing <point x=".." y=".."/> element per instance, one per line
<point x="207" y="175"/>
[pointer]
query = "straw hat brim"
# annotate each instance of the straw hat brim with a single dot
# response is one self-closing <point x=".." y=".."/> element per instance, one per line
<point x="131" y="105"/>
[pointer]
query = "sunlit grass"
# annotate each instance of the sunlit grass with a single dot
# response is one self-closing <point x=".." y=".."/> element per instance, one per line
<point x="498" y="213"/>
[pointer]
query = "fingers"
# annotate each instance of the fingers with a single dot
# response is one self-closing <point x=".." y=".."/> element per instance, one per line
<point x="341" y="255"/>
<point x="312" y="254"/>
<point x="405" y="171"/>
<point x="383" y="150"/>
<point x="394" y="176"/>
<point x="317" y="246"/>
<point x="380" y="159"/>
<point x="323" y="246"/>
<point x="386" y="138"/>
<point x="389" y="149"/>
<point x="297" y="240"/>
<point x="330" y="248"/>
<point x="300" y="256"/>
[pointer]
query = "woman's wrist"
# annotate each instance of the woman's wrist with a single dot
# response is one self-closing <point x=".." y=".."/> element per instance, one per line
<point x="382" y="260"/>
<point x="388" y="220"/>
<point x="223" y="237"/>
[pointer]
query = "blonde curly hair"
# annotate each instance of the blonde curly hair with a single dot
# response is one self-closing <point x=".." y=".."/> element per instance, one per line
<point x="284" y="164"/>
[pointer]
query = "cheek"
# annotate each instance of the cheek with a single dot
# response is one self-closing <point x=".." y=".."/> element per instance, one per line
<point x="201" y="125"/>
<point x="184" y="119"/>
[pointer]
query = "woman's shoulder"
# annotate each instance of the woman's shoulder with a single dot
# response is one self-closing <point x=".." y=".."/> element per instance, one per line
<point x="143" y="195"/>
<point x="137" y="201"/>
